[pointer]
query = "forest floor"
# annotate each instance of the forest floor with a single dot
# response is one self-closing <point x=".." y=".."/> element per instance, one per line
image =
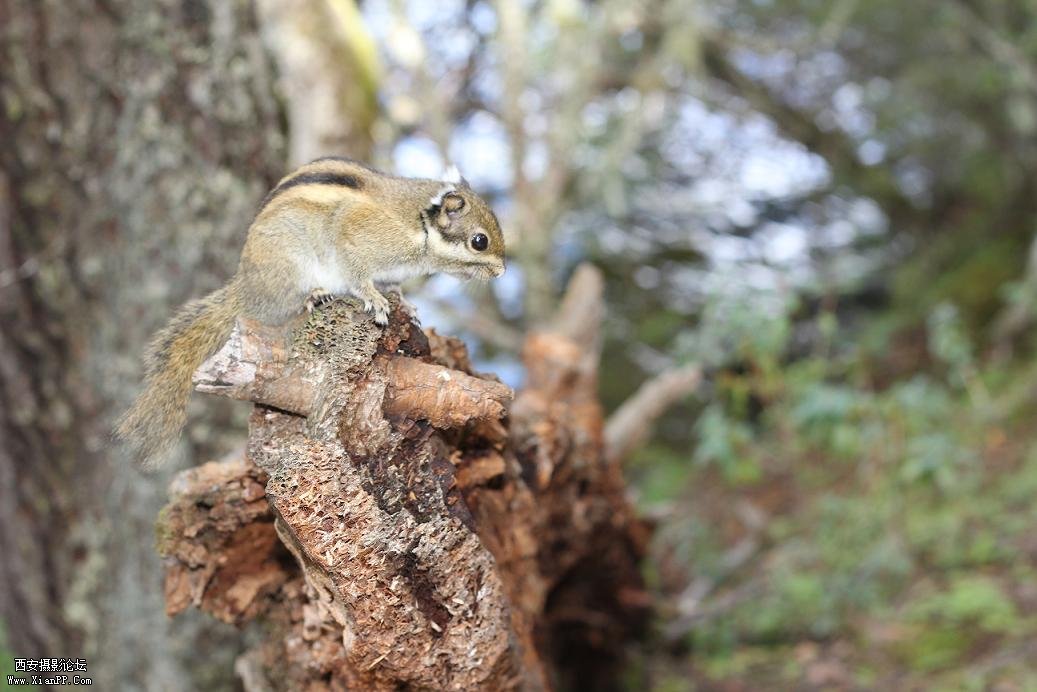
<point x="839" y="531"/>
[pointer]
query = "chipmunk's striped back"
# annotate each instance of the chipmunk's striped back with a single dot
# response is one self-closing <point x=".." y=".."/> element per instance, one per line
<point x="321" y="180"/>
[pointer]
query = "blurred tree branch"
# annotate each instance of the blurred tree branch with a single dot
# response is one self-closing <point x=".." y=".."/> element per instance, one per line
<point x="631" y="424"/>
<point x="692" y="605"/>
<point x="434" y="96"/>
<point x="330" y="73"/>
<point x="1006" y="52"/>
<point x="582" y="73"/>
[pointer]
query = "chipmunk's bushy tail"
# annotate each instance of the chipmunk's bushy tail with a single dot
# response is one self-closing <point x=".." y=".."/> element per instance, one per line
<point x="153" y="423"/>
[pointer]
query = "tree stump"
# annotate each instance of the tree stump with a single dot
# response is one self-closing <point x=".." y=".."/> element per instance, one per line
<point x="400" y="521"/>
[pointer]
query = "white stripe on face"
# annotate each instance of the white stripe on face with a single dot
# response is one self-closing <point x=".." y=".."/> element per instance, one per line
<point x="441" y="248"/>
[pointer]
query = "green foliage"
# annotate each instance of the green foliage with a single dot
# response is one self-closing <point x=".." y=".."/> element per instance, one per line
<point x="830" y="416"/>
<point x="954" y="618"/>
<point x="742" y="325"/>
<point x="724" y="441"/>
<point x="662" y="479"/>
<point x="935" y="648"/>
<point x="968" y="601"/>
<point x="948" y="341"/>
<point x="865" y="401"/>
<point x="889" y="510"/>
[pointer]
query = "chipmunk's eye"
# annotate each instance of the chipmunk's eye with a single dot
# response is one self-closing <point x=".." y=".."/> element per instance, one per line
<point x="479" y="242"/>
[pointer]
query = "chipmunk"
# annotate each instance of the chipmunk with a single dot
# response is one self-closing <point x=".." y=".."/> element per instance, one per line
<point x="332" y="227"/>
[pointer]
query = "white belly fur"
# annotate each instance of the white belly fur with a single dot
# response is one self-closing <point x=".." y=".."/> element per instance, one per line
<point x="325" y="273"/>
<point x="401" y="273"/>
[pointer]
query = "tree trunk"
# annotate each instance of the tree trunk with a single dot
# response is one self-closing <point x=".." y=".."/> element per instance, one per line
<point x="400" y="522"/>
<point x="137" y="140"/>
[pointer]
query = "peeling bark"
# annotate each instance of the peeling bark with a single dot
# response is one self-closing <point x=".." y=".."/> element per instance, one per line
<point x="443" y="535"/>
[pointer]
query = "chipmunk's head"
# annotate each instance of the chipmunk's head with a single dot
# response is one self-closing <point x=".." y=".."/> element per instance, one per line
<point x="462" y="232"/>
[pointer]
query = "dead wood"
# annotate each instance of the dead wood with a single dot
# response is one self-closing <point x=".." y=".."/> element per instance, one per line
<point x="400" y="521"/>
<point x="631" y="424"/>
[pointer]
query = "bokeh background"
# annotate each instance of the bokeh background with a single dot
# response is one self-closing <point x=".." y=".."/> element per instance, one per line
<point x="816" y="221"/>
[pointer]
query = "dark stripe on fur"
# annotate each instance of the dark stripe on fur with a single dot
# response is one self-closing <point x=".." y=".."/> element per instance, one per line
<point x="341" y="179"/>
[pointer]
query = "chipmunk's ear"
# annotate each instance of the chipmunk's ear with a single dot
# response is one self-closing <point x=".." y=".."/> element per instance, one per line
<point x="452" y="175"/>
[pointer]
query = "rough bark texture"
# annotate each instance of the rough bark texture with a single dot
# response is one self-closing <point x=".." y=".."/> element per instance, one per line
<point x="137" y="139"/>
<point x="444" y="536"/>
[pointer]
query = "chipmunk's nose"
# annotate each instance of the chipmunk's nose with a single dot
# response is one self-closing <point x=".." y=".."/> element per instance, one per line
<point x="498" y="270"/>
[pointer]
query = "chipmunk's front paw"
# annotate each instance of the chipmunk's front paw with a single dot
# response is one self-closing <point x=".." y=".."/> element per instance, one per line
<point x="317" y="298"/>
<point x="411" y="309"/>
<point x="380" y="307"/>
